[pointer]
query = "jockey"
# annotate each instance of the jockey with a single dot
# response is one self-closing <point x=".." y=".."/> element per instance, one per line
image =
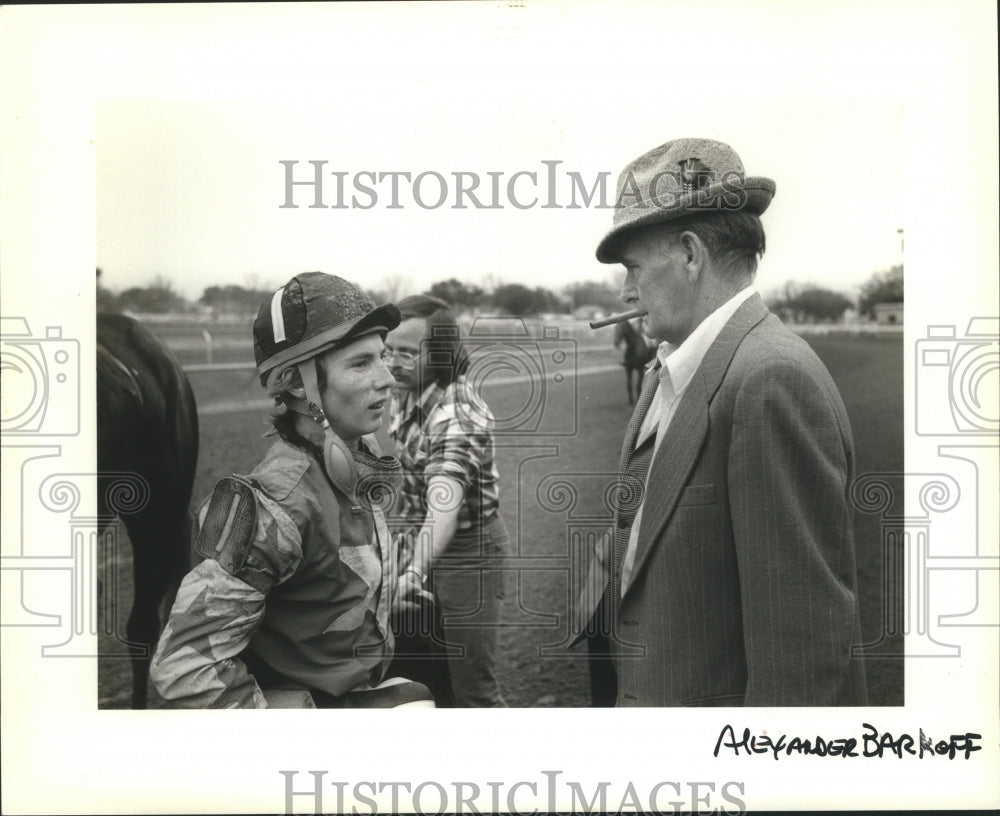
<point x="297" y="576"/>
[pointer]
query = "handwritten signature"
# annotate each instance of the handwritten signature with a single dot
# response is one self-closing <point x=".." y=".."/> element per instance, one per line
<point x="873" y="743"/>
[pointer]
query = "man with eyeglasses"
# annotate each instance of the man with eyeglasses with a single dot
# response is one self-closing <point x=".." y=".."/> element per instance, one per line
<point x="450" y="498"/>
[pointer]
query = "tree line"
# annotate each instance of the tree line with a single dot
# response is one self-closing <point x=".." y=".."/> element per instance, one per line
<point x="794" y="302"/>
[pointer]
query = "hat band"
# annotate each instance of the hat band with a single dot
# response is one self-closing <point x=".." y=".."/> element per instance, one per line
<point x="722" y="195"/>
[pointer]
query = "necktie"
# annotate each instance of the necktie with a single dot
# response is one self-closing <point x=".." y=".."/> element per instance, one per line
<point x="632" y="470"/>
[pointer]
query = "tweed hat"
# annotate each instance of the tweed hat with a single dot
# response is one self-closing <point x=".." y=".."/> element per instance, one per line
<point x="311" y="313"/>
<point x="679" y="178"/>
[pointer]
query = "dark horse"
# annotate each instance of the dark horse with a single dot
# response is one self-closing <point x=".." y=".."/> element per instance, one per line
<point x="147" y="435"/>
<point x="637" y="353"/>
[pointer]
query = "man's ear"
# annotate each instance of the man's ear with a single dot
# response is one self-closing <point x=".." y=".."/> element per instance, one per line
<point x="695" y="254"/>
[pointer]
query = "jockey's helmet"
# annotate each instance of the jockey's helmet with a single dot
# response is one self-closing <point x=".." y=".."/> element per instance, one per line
<point x="313" y="313"/>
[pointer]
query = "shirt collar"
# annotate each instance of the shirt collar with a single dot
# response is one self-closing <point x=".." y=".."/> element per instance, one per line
<point x="681" y="362"/>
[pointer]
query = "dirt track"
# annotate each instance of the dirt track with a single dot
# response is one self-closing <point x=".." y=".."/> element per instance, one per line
<point x="542" y="516"/>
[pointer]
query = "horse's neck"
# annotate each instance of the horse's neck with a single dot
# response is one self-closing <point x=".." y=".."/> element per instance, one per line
<point x="130" y="383"/>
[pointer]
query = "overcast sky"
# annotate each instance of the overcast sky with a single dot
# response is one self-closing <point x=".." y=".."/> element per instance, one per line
<point x="191" y="192"/>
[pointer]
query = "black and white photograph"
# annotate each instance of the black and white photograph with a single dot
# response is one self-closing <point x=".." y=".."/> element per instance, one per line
<point x="450" y="357"/>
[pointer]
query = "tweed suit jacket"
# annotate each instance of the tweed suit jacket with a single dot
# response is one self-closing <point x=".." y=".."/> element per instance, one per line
<point x="743" y="587"/>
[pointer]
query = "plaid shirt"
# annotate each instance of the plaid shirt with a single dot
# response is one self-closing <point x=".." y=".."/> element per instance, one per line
<point x="447" y="432"/>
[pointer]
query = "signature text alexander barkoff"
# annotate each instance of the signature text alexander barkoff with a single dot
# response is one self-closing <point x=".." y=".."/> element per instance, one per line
<point x="872" y="743"/>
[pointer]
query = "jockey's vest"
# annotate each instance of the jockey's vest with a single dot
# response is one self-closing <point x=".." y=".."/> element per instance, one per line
<point x="327" y="626"/>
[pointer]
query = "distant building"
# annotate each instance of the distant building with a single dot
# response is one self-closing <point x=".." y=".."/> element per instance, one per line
<point x="889" y="314"/>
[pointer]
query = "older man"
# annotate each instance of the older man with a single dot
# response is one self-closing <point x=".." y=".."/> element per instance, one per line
<point x="730" y="579"/>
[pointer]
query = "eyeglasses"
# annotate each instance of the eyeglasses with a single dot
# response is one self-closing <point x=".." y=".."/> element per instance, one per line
<point x="404" y="359"/>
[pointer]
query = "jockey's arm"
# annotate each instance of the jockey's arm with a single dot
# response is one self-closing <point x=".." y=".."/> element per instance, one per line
<point x="221" y="602"/>
<point x="212" y="620"/>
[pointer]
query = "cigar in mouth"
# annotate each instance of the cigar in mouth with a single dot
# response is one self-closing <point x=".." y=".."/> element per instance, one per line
<point x="617" y="318"/>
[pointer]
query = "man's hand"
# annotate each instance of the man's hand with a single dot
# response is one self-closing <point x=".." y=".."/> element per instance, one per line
<point x="410" y="592"/>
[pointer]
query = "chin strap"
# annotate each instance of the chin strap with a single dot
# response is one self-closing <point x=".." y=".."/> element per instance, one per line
<point x="337" y="459"/>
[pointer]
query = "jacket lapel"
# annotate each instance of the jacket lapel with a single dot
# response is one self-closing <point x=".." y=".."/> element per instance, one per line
<point x="679" y="449"/>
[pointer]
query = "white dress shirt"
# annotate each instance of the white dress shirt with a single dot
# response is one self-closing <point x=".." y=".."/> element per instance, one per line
<point x="678" y="365"/>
